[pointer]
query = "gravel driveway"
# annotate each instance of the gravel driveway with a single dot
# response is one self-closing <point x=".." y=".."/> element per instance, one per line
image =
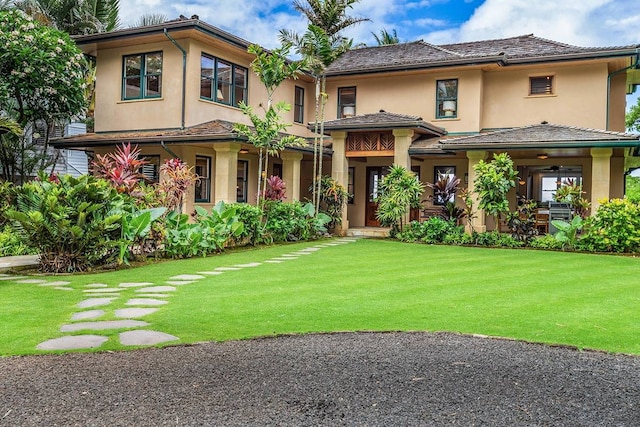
<point x="360" y="379"/>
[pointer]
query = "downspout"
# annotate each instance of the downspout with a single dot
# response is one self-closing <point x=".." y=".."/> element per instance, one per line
<point x="184" y="74"/>
<point x="614" y="73"/>
<point x="168" y="150"/>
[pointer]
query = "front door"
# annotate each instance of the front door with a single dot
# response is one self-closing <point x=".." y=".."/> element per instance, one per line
<point x="374" y="177"/>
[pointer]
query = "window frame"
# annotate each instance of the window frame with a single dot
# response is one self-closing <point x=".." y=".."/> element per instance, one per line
<point x="351" y="185"/>
<point x="298" y="105"/>
<point x="231" y="86"/>
<point x="441" y="99"/>
<point x="153" y="160"/>
<point x="143" y="76"/>
<point x="341" y="105"/>
<point x="242" y="182"/>
<point x="547" y="89"/>
<point x="206" y="181"/>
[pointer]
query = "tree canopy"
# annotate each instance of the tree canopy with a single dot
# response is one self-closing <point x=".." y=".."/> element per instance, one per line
<point x="632" y="119"/>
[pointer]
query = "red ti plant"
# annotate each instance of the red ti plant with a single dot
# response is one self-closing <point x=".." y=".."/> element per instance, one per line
<point x="122" y="167"/>
<point x="275" y="189"/>
<point x="178" y="178"/>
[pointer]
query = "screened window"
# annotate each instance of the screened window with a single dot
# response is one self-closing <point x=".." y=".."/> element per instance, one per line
<point x="151" y="170"/>
<point x="346" y="102"/>
<point x="203" y="185"/>
<point x="541" y="85"/>
<point x="298" y="105"/>
<point x="142" y="76"/>
<point x="447" y="99"/>
<point x="222" y="81"/>
<point x="242" y="186"/>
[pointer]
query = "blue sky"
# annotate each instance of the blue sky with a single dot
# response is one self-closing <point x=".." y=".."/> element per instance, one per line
<point x="577" y="22"/>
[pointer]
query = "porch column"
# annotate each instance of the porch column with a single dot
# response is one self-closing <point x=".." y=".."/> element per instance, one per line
<point x="226" y="172"/>
<point x="403" y="138"/>
<point x="479" y="222"/>
<point x="340" y="172"/>
<point x="600" y="176"/>
<point x="291" y="173"/>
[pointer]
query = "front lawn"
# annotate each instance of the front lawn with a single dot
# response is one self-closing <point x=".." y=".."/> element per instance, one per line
<point x="583" y="300"/>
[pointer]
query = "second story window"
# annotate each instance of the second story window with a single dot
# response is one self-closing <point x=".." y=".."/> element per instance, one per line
<point x="222" y="81"/>
<point x="298" y="105"/>
<point x="447" y="99"/>
<point x="541" y="85"/>
<point x="142" y="76"/>
<point x="346" y="102"/>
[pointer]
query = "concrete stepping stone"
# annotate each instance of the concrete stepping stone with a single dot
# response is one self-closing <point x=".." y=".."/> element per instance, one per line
<point x="157" y="289"/>
<point x="12" y="277"/>
<point x="145" y="338"/>
<point x="62" y="288"/>
<point x="291" y="255"/>
<point x="313" y="249"/>
<point x="187" y="277"/>
<point x="134" y="284"/>
<point x="154" y="295"/>
<point x="132" y="313"/>
<point x="211" y="273"/>
<point x="333" y="244"/>
<point x="284" y="258"/>
<point x="74" y="342"/>
<point x="302" y="253"/>
<point x="31" y="281"/>
<point x="145" y="301"/>
<point x="227" y="269"/>
<point x="58" y="283"/>
<point x="103" y="325"/>
<point x="179" y="282"/>
<point x="94" y="302"/>
<point x="86" y="315"/>
<point x="274" y="261"/>
<point x="96" y="285"/>
<point x="250" y="265"/>
<point x="102" y="290"/>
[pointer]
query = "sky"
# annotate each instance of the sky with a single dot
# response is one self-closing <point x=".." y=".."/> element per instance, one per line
<point x="586" y="23"/>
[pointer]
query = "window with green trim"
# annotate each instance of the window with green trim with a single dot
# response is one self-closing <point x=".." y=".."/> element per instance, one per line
<point x="447" y="99"/>
<point x="298" y="105"/>
<point x="142" y="76"/>
<point x="222" y="81"/>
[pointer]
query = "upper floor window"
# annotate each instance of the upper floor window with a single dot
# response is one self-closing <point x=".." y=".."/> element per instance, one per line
<point x="447" y="99"/>
<point x="298" y="105"/>
<point x="541" y="85"/>
<point x="142" y="76"/>
<point x="346" y="102"/>
<point x="222" y="81"/>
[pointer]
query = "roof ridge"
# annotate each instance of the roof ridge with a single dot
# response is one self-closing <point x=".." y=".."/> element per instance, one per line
<point x="435" y="46"/>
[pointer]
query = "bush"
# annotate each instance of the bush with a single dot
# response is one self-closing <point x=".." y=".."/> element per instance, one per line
<point x="287" y="222"/>
<point x="12" y="245"/>
<point x="73" y="223"/>
<point x="493" y="238"/>
<point x="250" y="216"/>
<point x="614" y="228"/>
<point x="547" y="241"/>
<point x="434" y="230"/>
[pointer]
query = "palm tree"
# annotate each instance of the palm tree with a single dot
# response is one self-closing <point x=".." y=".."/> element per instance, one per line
<point x="320" y="46"/>
<point x="386" y="38"/>
<point x="150" y="19"/>
<point x="74" y="16"/>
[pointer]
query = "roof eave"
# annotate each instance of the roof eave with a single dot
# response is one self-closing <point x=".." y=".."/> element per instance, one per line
<point x="573" y="56"/>
<point x="540" y="145"/>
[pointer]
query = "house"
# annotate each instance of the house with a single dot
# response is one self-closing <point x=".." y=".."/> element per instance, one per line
<point x="557" y="109"/>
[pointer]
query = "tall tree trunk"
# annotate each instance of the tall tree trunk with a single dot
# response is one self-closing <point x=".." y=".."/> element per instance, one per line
<point x="323" y="104"/>
<point x="316" y="139"/>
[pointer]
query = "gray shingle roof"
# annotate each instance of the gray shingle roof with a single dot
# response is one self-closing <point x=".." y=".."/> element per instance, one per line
<point x="383" y="120"/>
<point x="540" y="136"/>
<point x="420" y="54"/>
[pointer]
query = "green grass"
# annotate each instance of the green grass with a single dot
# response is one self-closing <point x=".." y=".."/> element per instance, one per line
<point x="582" y="300"/>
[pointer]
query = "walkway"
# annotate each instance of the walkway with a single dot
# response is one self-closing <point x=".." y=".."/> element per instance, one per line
<point x="129" y="303"/>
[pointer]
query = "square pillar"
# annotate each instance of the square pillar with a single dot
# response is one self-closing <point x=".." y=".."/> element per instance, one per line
<point x="291" y="173"/>
<point x="479" y="222"/>
<point x="340" y="172"/>
<point x="226" y="172"/>
<point x="403" y="139"/>
<point x="600" y="176"/>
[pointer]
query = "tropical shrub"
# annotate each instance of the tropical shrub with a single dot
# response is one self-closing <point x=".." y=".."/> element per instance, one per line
<point x="333" y="198"/>
<point x="522" y="222"/>
<point x="614" y="228"/>
<point x="546" y="241"/>
<point x="496" y="239"/>
<point x="399" y="190"/>
<point x="444" y="193"/>
<point x="571" y="193"/>
<point x="493" y="181"/>
<point x="178" y="178"/>
<point x="433" y="230"/>
<point x="568" y="231"/>
<point x="11" y="244"/>
<point x="275" y="189"/>
<point x="6" y="200"/>
<point x="250" y="216"/>
<point x="121" y="168"/>
<point x="73" y="223"/>
<point x="292" y="222"/>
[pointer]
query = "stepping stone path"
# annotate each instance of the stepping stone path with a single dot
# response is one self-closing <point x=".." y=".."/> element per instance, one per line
<point x="134" y="300"/>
